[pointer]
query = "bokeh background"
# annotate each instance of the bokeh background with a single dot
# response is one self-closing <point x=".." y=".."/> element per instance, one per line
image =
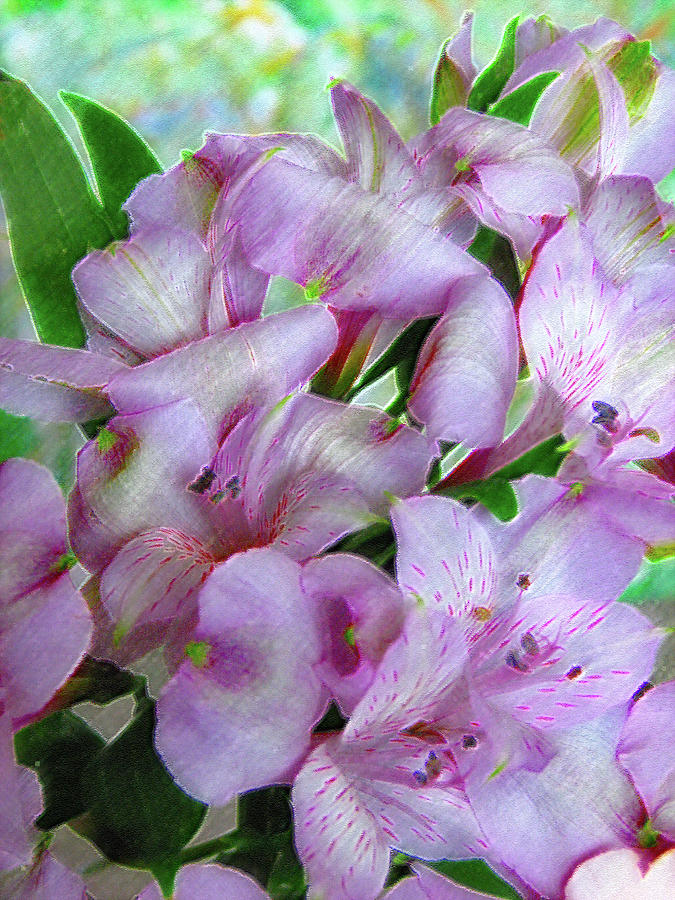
<point x="177" y="68"/>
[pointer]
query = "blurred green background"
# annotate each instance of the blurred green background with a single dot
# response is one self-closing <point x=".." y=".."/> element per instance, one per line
<point x="175" y="68"/>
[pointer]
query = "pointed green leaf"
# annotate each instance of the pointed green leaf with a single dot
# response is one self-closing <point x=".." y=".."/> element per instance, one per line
<point x="544" y="459"/>
<point x="475" y="874"/>
<point x="119" y="156"/>
<point x="490" y="83"/>
<point x="496" y="494"/>
<point x="53" y="217"/>
<point x="495" y="251"/>
<point x="59" y="747"/>
<point x="448" y="87"/>
<point x="519" y="105"/>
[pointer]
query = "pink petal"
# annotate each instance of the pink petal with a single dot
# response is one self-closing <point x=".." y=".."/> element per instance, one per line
<point x="32" y="527"/>
<point x="137" y="478"/>
<point x="352" y="247"/>
<point x="54" y="384"/>
<point x="148" y="585"/>
<point x="46" y="879"/>
<point x="350" y="592"/>
<point x="51" y="624"/>
<point x="151" y="290"/>
<point x="578" y="805"/>
<point x="650" y="147"/>
<point x="20" y="803"/>
<point x="241" y="717"/>
<point x="445" y="558"/>
<point x="377" y="159"/>
<point x="466" y="372"/>
<point x="645" y="751"/>
<point x="232" y="372"/>
<point x="315" y="469"/>
<point x="601" y="876"/>
<point x="209" y="881"/>
<point x="559" y="544"/>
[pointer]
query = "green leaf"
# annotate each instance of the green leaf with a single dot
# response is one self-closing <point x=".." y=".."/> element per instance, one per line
<point x="496" y="494"/>
<point x="18" y="436"/>
<point x="98" y="681"/>
<point x="59" y="747"/>
<point x="544" y="459"/>
<point x="137" y="815"/>
<point x="119" y="156"/>
<point x="53" y="217"/>
<point x="448" y="87"/>
<point x="475" y="874"/>
<point x="495" y="251"/>
<point x="490" y="83"/>
<point x="519" y="105"/>
<point x="405" y="347"/>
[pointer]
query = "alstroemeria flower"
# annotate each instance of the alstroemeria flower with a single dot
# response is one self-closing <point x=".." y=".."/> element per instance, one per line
<point x="479" y="687"/>
<point x="173" y="503"/>
<point x="645" y="751"/>
<point x="42" y="616"/>
<point x="599" y="346"/>
<point x="622" y="96"/>
<point x="239" y="711"/>
<point x="209" y="881"/>
<point x="623" y="873"/>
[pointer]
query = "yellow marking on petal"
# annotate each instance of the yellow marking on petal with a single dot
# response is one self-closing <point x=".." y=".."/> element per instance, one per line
<point x="120" y="632"/>
<point x="462" y="164"/>
<point x="647" y="836"/>
<point x="570" y="445"/>
<point x="106" y="440"/>
<point x="349" y="636"/>
<point x="576" y="490"/>
<point x="657" y="552"/>
<point x="668" y="231"/>
<point x="650" y="433"/>
<point x="198" y="652"/>
<point x="333" y="83"/>
<point x="316" y="287"/>
<point x="63" y="563"/>
<point x="498" y="770"/>
<point x="481" y="613"/>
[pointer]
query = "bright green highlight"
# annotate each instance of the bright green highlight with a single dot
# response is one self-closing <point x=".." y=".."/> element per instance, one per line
<point x="316" y="287"/>
<point x="647" y="836"/>
<point x="64" y="562"/>
<point x="198" y="652"/>
<point x="349" y="636"/>
<point x="106" y="440"/>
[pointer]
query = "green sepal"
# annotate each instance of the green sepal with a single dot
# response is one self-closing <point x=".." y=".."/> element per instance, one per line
<point x="59" y="748"/>
<point x="119" y="156"/>
<point x="495" y="251"/>
<point x="53" y="217"/>
<point x="489" y="84"/>
<point x="137" y="815"/>
<point x="448" y="88"/>
<point x="476" y="875"/>
<point x="519" y="105"/>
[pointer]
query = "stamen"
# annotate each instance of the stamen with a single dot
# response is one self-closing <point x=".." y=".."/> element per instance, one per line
<point x="203" y="481"/>
<point x="574" y="672"/>
<point x="529" y="645"/>
<point x="606" y="416"/>
<point x="644" y="688"/>
<point x="512" y="660"/>
<point x="523" y="581"/>
<point x="469" y="741"/>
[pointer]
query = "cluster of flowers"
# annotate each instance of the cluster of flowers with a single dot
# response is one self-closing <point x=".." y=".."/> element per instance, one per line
<point x="495" y="693"/>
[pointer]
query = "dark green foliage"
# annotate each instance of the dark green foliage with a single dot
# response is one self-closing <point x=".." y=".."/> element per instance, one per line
<point x="489" y="84"/>
<point x="18" y="436"/>
<point x="544" y="459"/>
<point x="59" y="748"/>
<point x="137" y="815"/>
<point x="119" y="156"/>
